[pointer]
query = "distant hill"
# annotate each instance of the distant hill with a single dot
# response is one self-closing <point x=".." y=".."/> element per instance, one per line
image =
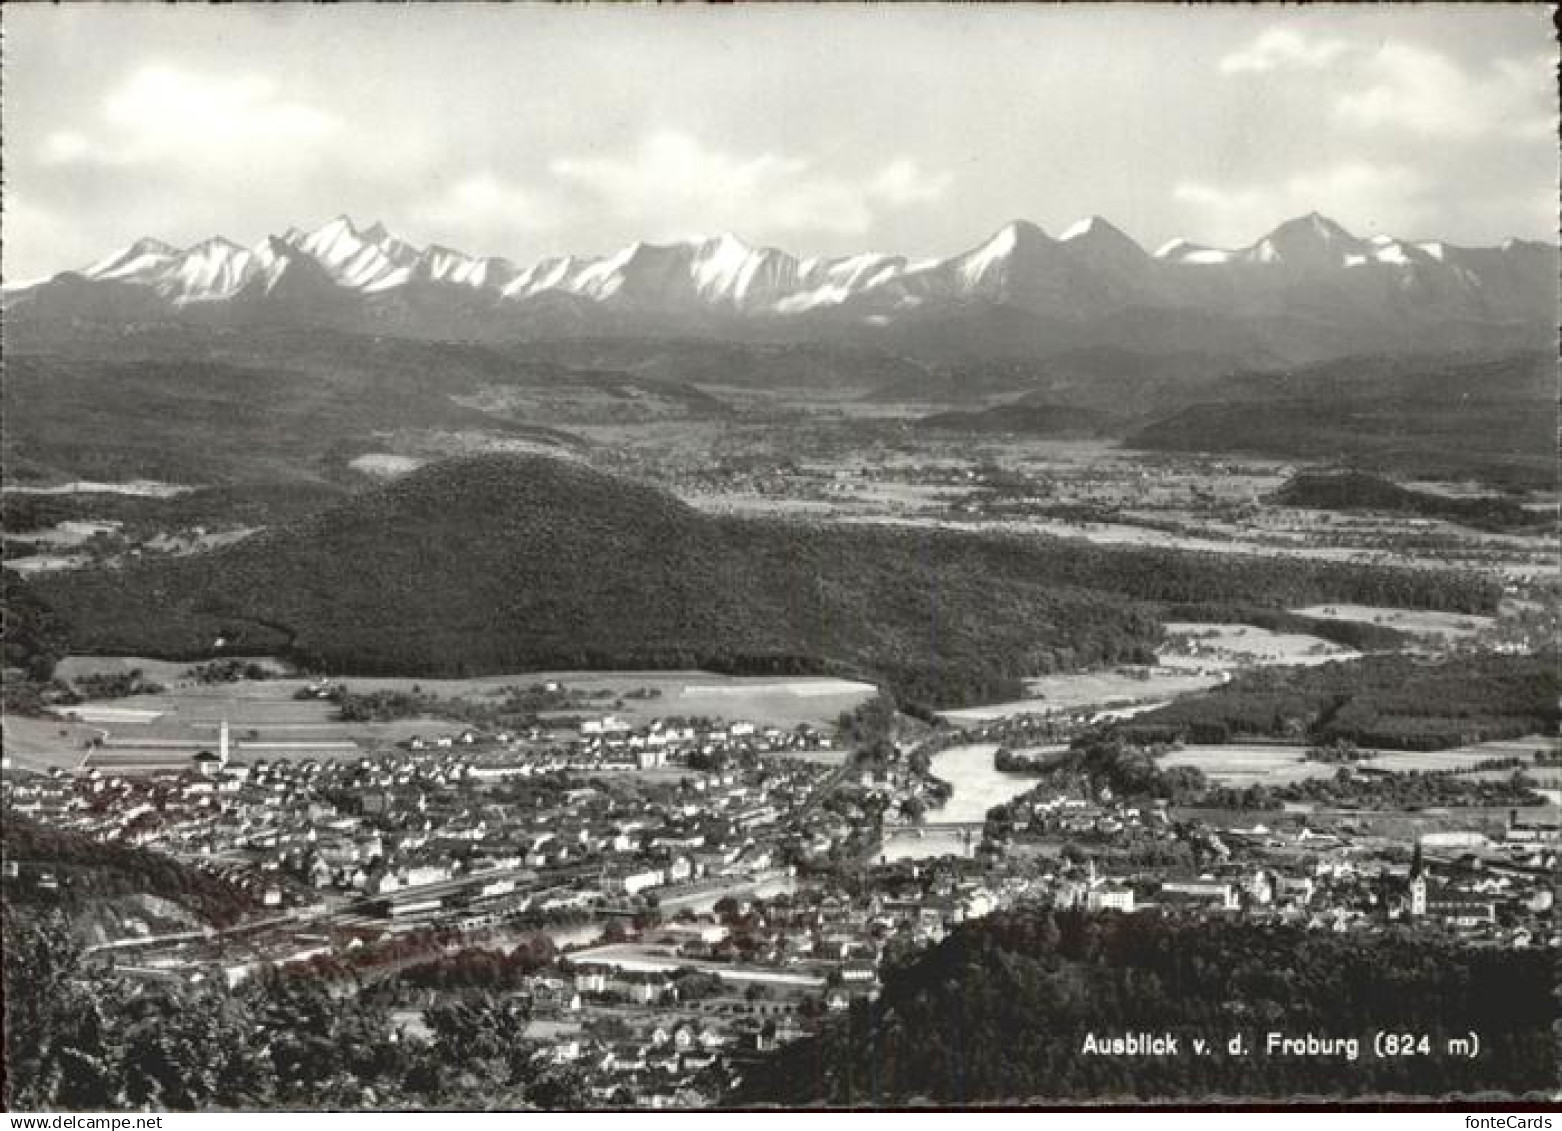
<point x="203" y="406"/>
<point x="1112" y="378"/>
<point x="1021" y="419"/>
<point x="1359" y="491"/>
<point x="504" y="563"/>
<point x="1445" y="417"/>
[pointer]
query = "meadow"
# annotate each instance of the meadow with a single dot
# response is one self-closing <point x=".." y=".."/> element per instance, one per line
<point x="266" y="720"/>
<point x="1244" y="765"/>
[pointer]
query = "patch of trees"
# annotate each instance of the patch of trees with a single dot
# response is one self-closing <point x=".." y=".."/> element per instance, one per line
<point x="518" y="707"/>
<point x="229" y="671"/>
<point x="1415" y="789"/>
<point x="999" y="1012"/>
<point x="1341" y="751"/>
<point x="1100" y="763"/>
<point x="91" y="869"/>
<point x="116" y="685"/>
<point x="482" y="969"/>
<point x="33" y="634"/>
<point x="1391" y="702"/>
<point x="34" y="640"/>
<point x="871" y="725"/>
<point x="1016" y="762"/>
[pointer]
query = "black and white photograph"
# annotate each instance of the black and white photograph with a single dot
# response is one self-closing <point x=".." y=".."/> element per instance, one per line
<point x="839" y="557"/>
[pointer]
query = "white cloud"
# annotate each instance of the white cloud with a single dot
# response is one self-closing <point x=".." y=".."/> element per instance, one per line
<point x="484" y="203"/>
<point x="165" y="113"/>
<point x="1284" y="48"/>
<point x="902" y="182"/>
<point x="31" y="234"/>
<point x="673" y="186"/>
<point x="1360" y="195"/>
<point x="1420" y="90"/>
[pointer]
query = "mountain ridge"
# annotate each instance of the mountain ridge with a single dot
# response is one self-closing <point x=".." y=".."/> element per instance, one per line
<point x="1308" y="273"/>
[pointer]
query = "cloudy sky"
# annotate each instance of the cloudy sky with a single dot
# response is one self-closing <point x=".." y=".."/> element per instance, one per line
<point x="527" y="131"/>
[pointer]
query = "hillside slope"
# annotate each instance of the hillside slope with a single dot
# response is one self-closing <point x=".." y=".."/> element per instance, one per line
<point x="1000" y="1012"/>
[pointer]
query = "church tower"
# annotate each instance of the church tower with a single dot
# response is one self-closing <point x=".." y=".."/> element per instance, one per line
<point x="222" y="745"/>
<point x="1417" y="882"/>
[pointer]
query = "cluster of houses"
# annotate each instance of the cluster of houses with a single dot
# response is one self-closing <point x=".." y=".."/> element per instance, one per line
<point x="610" y="743"/>
<point x="1321" y="880"/>
<point x="450" y="833"/>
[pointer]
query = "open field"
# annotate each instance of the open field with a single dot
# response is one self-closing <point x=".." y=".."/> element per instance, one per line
<point x="1239" y="645"/>
<point x="43" y="563"/>
<point x="780" y="701"/>
<point x="1402" y="761"/>
<point x="1238" y="765"/>
<point x="1195" y="657"/>
<point x="169" y="673"/>
<point x="142" y="488"/>
<point x="45" y="744"/>
<point x="1413" y="621"/>
<point x="266" y="721"/>
<point x="386" y="464"/>
<point x="1401" y="827"/>
<point x="1120" y="687"/>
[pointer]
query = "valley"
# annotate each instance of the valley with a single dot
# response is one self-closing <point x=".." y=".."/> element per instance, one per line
<point x="703" y="684"/>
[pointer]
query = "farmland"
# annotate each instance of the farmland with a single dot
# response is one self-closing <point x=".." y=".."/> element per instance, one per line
<point x="1257" y="764"/>
<point x="1241" y="765"/>
<point x="267" y="720"/>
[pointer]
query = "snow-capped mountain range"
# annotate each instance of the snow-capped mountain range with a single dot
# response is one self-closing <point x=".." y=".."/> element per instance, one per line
<point x="1308" y="268"/>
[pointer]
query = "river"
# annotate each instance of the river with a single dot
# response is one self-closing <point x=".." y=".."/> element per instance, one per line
<point x="978" y="786"/>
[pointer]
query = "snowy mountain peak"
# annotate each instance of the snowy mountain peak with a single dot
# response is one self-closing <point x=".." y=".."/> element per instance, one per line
<point x="1095" y="240"/>
<point x="1313" y="228"/>
<point x="214" y="245"/>
<point x="1018" y="233"/>
<point x="1092" y="227"/>
<point x="1311" y="242"/>
<point x="727" y="241"/>
<point x="147" y="245"/>
<point x="352" y="258"/>
<point x="143" y="255"/>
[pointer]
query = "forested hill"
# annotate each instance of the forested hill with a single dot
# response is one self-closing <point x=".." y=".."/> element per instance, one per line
<point x="999" y="1013"/>
<point x="1491" y="418"/>
<point x="504" y="563"/>
<point x="1359" y="491"/>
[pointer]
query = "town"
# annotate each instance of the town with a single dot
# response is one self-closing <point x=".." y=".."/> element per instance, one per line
<point x="672" y="898"/>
